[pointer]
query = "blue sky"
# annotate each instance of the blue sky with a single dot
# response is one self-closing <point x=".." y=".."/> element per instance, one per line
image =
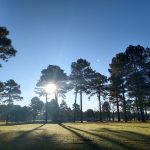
<point x="61" y="31"/>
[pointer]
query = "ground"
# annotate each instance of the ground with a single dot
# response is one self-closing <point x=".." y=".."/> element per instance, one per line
<point x="70" y="136"/>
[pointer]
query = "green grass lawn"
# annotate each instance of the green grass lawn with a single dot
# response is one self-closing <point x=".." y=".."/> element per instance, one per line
<point x="70" y="136"/>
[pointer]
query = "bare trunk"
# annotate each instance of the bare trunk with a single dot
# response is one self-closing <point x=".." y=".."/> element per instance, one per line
<point x="137" y="107"/>
<point x="109" y="116"/>
<point x="145" y="110"/>
<point x="113" y="117"/>
<point x="100" y="109"/>
<point x="81" y="106"/>
<point x="141" y="110"/>
<point x="56" y="96"/>
<point x="118" y="113"/>
<point x="75" y="102"/>
<point x="7" y="118"/>
<point x="124" y="107"/>
<point x="7" y="115"/>
<point x="146" y="116"/>
<point x="113" y="114"/>
<point x="134" y="115"/>
<point x="46" y="115"/>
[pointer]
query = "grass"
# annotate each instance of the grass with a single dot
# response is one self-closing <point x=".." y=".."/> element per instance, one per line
<point x="70" y="136"/>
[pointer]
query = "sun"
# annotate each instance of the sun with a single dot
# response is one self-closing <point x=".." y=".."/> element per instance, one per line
<point x="50" y="88"/>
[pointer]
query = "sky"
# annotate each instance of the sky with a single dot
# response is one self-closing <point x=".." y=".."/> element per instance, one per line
<point x="58" y="32"/>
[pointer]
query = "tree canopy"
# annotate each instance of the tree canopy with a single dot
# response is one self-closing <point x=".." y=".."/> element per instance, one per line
<point x="6" y="49"/>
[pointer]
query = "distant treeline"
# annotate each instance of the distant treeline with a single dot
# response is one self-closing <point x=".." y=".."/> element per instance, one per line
<point x="35" y="113"/>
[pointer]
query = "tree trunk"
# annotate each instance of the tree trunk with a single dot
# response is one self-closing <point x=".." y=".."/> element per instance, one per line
<point x="138" y="115"/>
<point x="109" y="115"/>
<point x="145" y="109"/>
<point x="129" y="114"/>
<point x="118" y="113"/>
<point x="134" y="114"/>
<point x="113" y="116"/>
<point x="100" y="109"/>
<point x="146" y="116"/>
<point x="81" y="115"/>
<point x="7" y="115"/>
<point x="124" y="107"/>
<point x="46" y="115"/>
<point x="75" y="102"/>
<point x="141" y="110"/>
<point x="56" y="96"/>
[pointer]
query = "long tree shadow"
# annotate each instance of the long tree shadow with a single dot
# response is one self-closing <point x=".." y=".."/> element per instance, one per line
<point x="25" y="133"/>
<point x="130" y="135"/>
<point x="39" y="138"/>
<point x="20" y="138"/>
<point x="107" y="138"/>
<point x="85" y="140"/>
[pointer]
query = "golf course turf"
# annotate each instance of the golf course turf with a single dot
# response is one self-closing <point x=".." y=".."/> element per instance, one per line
<point x="70" y="136"/>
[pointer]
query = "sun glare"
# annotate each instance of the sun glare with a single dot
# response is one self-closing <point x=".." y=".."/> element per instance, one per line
<point x="50" y="88"/>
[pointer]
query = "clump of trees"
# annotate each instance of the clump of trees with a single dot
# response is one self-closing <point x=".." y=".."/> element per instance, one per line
<point x="130" y="79"/>
<point x="124" y="95"/>
<point x="10" y="92"/>
<point x="36" y="106"/>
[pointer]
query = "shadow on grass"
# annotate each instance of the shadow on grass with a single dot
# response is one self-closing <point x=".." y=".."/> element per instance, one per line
<point x="83" y="139"/>
<point x="26" y="140"/>
<point x="25" y="133"/>
<point x="39" y="139"/>
<point x="114" y="137"/>
<point x="129" y="135"/>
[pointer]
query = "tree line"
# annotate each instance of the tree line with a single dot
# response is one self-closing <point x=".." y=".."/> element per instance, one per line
<point x="35" y="112"/>
<point x="126" y="92"/>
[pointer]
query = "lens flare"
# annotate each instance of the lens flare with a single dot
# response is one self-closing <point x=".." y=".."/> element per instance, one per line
<point x="50" y="88"/>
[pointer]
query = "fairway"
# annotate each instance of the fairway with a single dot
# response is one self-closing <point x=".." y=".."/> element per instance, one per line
<point x="70" y="136"/>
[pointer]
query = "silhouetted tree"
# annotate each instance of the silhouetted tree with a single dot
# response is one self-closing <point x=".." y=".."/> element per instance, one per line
<point x="138" y="75"/>
<point x="76" y="109"/>
<point x="118" y="69"/>
<point x="53" y="110"/>
<point x="53" y="74"/>
<point x="114" y="92"/>
<point x="130" y="77"/>
<point x="106" y="110"/>
<point x="112" y="101"/>
<point x="6" y="49"/>
<point x="90" y="116"/>
<point x="75" y="103"/>
<point x="3" y="112"/>
<point x="1" y="90"/>
<point x="11" y="93"/>
<point x="73" y="85"/>
<point x="20" y="114"/>
<point x="97" y="86"/>
<point x="80" y="74"/>
<point x="65" y="111"/>
<point x="36" y="106"/>
<point x="130" y="109"/>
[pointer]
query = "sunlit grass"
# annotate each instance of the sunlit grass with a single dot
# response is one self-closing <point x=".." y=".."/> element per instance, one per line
<point x="117" y="136"/>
